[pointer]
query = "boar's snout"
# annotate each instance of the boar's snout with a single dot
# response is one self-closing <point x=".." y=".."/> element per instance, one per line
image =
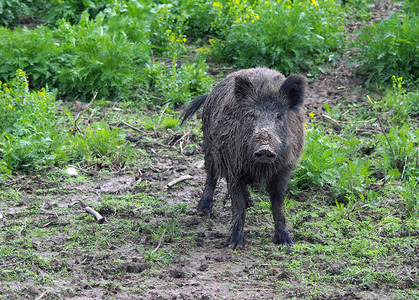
<point x="264" y="155"/>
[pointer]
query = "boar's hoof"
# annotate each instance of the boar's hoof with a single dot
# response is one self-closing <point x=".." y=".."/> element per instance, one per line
<point x="205" y="208"/>
<point x="236" y="239"/>
<point x="249" y="202"/>
<point x="234" y="243"/>
<point x="282" y="237"/>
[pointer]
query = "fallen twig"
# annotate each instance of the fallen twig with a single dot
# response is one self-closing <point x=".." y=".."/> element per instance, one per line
<point x="345" y="122"/>
<point x="132" y="127"/>
<point x="177" y="180"/>
<point x="83" y="111"/>
<point x="90" y="210"/>
<point x="161" y="116"/>
<point x="158" y="245"/>
<point x="83" y="170"/>
<point x="40" y="297"/>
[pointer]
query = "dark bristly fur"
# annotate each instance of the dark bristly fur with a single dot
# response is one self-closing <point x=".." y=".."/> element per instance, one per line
<point x="253" y="125"/>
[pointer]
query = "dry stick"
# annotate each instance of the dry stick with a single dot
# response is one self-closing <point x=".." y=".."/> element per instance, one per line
<point x="344" y="122"/>
<point x="382" y="129"/>
<point x="158" y="245"/>
<point x="83" y="111"/>
<point x="42" y="295"/>
<point x="90" y="210"/>
<point x="177" y="180"/>
<point x="83" y="170"/>
<point x="161" y="115"/>
<point x="132" y="127"/>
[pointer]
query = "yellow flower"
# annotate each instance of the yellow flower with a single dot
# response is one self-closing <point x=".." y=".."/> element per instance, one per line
<point x="312" y="115"/>
<point x="184" y="40"/>
<point x="11" y="107"/>
<point x="314" y="3"/>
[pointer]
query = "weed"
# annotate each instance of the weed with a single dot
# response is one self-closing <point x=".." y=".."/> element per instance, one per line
<point x="389" y="47"/>
<point x="71" y="10"/>
<point x="402" y="154"/>
<point x="33" y="51"/>
<point x="410" y="194"/>
<point x="12" y="11"/>
<point x="29" y="136"/>
<point x="95" y="59"/>
<point x="289" y="36"/>
<point x="101" y="142"/>
<point x="178" y="85"/>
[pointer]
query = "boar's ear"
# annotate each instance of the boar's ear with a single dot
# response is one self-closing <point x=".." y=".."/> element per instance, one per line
<point x="294" y="89"/>
<point x="242" y="87"/>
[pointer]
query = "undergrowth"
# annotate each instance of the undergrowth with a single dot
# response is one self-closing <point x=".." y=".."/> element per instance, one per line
<point x="35" y="136"/>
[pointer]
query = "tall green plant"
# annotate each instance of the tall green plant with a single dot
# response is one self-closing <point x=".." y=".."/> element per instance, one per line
<point x="289" y="36"/>
<point x="29" y="137"/>
<point x="94" y="59"/>
<point x="390" y="47"/>
<point x="34" y="51"/>
<point x="12" y="10"/>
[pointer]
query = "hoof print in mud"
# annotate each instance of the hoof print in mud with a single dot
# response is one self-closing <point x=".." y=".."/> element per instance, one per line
<point x="175" y="273"/>
<point x="253" y="128"/>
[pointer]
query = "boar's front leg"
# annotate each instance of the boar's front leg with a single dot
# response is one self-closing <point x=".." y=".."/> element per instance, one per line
<point x="277" y="189"/>
<point x="239" y="197"/>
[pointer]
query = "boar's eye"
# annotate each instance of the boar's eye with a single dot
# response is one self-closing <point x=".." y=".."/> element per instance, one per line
<point x="278" y="116"/>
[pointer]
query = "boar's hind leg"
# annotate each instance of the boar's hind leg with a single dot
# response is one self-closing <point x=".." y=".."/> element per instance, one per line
<point x="205" y="204"/>
<point x="239" y="196"/>
<point x="277" y="189"/>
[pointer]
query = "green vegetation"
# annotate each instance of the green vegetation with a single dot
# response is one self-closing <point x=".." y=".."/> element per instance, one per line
<point x="352" y="205"/>
<point x="390" y="47"/>
<point x="290" y="36"/>
<point x="35" y="136"/>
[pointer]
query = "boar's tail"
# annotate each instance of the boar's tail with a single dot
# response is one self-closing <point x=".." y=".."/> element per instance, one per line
<point x="193" y="107"/>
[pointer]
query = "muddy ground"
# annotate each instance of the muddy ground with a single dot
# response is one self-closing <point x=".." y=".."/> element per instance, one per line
<point x="154" y="246"/>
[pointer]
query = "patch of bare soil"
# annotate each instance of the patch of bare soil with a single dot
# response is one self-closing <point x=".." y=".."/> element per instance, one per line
<point x="340" y="83"/>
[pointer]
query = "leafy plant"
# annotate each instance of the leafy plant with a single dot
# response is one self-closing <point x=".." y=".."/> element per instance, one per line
<point x="71" y="10"/>
<point x="94" y="59"/>
<point x="389" y="47"/>
<point x="12" y="10"/>
<point x="99" y="142"/>
<point x="31" y="50"/>
<point x="29" y="137"/>
<point x="399" y="151"/>
<point x="289" y="36"/>
<point x="178" y="85"/>
<point x="333" y="163"/>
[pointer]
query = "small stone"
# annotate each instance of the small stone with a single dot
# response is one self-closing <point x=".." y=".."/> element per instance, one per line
<point x="72" y="171"/>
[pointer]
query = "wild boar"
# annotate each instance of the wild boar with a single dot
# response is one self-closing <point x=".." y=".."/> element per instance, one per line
<point x="253" y="128"/>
